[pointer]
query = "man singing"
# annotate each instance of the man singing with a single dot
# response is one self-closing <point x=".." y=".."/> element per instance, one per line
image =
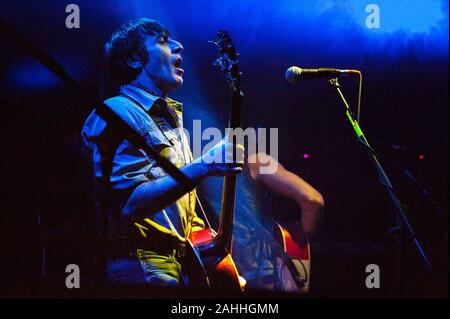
<point x="150" y="216"/>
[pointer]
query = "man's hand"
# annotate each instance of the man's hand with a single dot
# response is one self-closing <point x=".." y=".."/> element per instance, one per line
<point x="219" y="159"/>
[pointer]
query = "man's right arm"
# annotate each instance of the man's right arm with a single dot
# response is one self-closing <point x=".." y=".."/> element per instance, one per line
<point x="155" y="195"/>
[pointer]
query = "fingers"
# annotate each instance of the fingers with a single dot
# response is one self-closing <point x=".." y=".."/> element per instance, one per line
<point x="225" y="169"/>
<point x="237" y="170"/>
<point x="240" y="153"/>
<point x="225" y="152"/>
<point x="225" y="158"/>
<point x="234" y="154"/>
<point x="234" y="170"/>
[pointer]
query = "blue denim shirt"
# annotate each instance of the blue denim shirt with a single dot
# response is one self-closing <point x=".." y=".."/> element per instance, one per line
<point x="157" y="121"/>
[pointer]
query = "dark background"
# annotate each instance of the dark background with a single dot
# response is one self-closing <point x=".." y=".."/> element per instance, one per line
<point x="46" y="183"/>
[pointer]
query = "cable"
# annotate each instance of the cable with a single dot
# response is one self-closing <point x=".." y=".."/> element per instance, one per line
<point x="359" y="97"/>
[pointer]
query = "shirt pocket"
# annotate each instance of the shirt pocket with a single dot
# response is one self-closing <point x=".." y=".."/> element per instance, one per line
<point x="163" y="146"/>
<point x="156" y="139"/>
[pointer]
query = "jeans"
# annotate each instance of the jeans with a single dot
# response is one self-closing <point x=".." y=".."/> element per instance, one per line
<point x="149" y="268"/>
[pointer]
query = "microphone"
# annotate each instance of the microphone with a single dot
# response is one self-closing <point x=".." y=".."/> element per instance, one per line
<point x="294" y="74"/>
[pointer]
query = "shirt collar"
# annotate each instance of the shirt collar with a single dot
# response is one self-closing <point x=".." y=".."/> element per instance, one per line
<point x="148" y="100"/>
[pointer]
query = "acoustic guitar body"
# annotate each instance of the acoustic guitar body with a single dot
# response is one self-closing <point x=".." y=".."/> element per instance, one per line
<point x="296" y="245"/>
<point x="218" y="268"/>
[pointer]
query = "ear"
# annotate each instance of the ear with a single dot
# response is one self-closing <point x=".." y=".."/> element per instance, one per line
<point x="134" y="62"/>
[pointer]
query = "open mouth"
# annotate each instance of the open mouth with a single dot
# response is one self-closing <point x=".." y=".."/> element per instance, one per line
<point x="177" y="66"/>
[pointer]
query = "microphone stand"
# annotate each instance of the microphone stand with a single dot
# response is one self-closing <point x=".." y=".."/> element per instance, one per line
<point x="401" y="216"/>
<point x="415" y="180"/>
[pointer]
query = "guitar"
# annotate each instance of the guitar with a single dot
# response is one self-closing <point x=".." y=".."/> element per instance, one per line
<point x="208" y="259"/>
<point x="294" y="273"/>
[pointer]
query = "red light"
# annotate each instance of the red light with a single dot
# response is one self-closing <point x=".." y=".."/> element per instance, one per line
<point x="421" y="156"/>
<point x="306" y="156"/>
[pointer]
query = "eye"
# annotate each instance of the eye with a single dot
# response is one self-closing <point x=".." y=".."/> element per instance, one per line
<point x="163" y="39"/>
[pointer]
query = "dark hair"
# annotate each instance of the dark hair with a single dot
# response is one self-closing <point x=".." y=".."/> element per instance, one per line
<point x="128" y="41"/>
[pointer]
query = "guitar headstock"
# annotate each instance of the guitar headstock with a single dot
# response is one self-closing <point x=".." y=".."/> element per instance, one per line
<point x="228" y="59"/>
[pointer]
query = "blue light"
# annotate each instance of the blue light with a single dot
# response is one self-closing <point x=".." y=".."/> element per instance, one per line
<point x="29" y="74"/>
<point x="411" y="17"/>
<point x="314" y="27"/>
<point x="32" y="75"/>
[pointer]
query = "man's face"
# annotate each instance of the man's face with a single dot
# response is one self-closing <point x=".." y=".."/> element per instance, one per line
<point x="164" y="62"/>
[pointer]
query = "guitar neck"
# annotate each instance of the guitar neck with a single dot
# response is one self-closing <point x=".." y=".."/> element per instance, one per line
<point x="228" y="63"/>
<point x="225" y="232"/>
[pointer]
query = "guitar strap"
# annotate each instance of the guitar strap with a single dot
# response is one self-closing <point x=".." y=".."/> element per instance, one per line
<point x="185" y="160"/>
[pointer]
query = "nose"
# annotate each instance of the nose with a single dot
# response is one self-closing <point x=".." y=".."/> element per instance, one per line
<point x="177" y="47"/>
